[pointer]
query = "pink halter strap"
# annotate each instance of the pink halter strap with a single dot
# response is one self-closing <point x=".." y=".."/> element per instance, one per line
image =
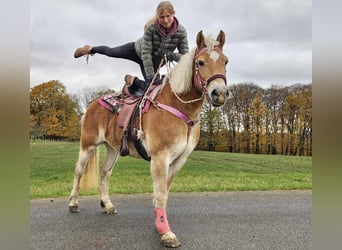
<point x="177" y="113"/>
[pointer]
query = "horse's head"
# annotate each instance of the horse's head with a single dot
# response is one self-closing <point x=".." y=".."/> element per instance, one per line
<point x="210" y="69"/>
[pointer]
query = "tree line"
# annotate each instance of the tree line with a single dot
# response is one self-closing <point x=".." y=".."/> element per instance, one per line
<point x="55" y="114"/>
<point x="276" y="120"/>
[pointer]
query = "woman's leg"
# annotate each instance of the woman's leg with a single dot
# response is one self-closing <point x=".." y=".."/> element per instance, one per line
<point x="126" y="51"/>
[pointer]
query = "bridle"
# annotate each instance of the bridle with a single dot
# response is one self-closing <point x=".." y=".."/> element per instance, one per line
<point x="200" y="83"/>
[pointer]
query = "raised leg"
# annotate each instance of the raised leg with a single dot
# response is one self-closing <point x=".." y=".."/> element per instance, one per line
<point x="173" y="170"/>
<point x="110" y="160"/>
<point x="159" y="171"/>
<point x="79" y="170"/>
<point x="177" y="164"/>
<point x="175" y="167"/>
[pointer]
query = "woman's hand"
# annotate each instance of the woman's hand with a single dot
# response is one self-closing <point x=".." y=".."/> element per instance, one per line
<point x="171" y="56"/>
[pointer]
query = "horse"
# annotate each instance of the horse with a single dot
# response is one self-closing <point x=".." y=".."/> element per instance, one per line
<point x="169" y="135"/>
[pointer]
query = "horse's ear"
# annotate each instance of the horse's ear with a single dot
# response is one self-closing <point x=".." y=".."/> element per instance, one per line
<point x="200" y="40"/>
<point x="221" y="38"/>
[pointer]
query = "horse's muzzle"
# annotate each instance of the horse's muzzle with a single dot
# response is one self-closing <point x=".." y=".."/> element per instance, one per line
<point x="218" y="94"/>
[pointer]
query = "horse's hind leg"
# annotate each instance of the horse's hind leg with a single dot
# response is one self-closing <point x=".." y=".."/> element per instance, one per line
<point x="110" y="160"/>
<point x="81" y="165"/>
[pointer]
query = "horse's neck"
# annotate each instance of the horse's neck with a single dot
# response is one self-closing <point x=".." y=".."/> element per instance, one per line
<point x="184" y="102"/>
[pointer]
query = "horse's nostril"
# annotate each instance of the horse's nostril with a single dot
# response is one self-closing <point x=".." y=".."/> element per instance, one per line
<point x="214" y="93"/>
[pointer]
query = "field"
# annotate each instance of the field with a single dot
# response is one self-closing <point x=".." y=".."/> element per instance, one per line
<point x="52" y="167"/>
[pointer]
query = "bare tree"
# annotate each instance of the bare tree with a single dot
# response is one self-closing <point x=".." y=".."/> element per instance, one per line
<point x="88" y="95"/>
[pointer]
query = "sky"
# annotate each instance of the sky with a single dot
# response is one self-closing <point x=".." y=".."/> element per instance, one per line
<point x="268" y="42"/>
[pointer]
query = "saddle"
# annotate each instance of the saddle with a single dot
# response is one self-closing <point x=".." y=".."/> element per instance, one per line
<point x="127" y="110"/>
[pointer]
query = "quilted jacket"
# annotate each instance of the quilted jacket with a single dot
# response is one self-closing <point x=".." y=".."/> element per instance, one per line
<point x="153" y="45"/>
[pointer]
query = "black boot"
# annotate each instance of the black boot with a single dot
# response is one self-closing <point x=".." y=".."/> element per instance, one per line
<point x="137" y="88"/>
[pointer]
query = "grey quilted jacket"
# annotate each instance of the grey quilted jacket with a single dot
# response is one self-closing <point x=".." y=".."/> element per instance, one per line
<point x="153" y="45"/>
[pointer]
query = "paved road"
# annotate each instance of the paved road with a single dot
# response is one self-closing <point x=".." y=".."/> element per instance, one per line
<point x="208" y="221"/>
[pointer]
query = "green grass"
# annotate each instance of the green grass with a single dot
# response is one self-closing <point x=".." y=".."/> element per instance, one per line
<point x="52" y="168"/>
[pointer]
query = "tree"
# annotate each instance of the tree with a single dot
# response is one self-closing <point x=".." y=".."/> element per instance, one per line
<point x="233" y="125"/>
<point x="298" y="110"/>
<point x="305" y="141"/>
<point x="272" y="121"/>
<point x="258" y="114"/>
<point x="274" y="100"/>
<point x="211" y="125"/>
<point x="242" y="98"/>
<point x="88" y="95"/>
<point x="53" y="113"/>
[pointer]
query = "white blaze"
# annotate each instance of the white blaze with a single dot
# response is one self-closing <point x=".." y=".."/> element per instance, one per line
<point x="214" y="55"/>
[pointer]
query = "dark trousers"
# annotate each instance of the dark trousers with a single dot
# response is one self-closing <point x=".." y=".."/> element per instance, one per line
<point x="126" y="51"/>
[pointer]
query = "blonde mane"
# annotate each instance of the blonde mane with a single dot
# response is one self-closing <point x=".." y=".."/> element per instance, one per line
<point x="211" y="43"/>
<point x="180" y="76"/>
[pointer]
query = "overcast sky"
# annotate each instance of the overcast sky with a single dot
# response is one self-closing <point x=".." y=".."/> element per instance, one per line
<point x="268" y="42"/>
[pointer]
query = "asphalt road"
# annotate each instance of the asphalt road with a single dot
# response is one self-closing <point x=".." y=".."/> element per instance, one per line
<point x="209" y="221"/>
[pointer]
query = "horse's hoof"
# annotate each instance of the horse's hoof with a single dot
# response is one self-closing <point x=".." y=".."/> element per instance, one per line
<point x="111" y="210"/>
<point x="170" y="240"/>
<point x="74" y="209"/>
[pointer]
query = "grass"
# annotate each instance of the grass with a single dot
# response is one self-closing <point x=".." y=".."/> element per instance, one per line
<point x="52" y="168"/>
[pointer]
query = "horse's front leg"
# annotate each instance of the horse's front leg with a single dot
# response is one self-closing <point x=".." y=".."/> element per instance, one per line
<point x="159" y="171"/>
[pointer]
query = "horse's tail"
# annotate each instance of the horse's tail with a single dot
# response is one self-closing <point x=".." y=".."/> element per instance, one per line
<point x="90" y="178"/>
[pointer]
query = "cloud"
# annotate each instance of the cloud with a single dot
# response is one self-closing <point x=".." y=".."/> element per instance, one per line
<point x="267" y="41"/>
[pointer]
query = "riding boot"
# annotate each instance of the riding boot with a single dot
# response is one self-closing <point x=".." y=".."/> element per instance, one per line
<point x="137" y="88"/>
<point x="85" y="50"/>
<point x="129" y="80"/>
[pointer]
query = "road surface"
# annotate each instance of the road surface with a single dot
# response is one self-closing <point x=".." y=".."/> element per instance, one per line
<point x="209" y="221"/>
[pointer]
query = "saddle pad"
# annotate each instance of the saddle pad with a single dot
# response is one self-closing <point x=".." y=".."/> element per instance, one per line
<point x="111" y="101"/>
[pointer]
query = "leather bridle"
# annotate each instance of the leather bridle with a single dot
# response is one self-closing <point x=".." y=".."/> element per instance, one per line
<point x="199" y="82"/>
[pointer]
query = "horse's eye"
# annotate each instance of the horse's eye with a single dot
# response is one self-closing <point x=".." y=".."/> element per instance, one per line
<point x="200" y="63"/>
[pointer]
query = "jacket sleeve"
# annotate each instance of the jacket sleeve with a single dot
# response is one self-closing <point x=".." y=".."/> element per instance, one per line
<point x="183" y="46"/>
<point x="146" y="52"/>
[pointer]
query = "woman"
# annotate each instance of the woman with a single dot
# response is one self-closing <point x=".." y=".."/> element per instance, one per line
<point x="162" y="36"/>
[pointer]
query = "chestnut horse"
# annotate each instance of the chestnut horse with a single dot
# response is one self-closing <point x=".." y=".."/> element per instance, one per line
<point x="169" y="137"/>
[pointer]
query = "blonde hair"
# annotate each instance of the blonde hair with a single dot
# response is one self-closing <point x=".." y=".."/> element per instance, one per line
<point x="164" y="5"/>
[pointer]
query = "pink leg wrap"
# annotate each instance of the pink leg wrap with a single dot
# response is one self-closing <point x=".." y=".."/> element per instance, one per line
<point x="162" y="224"/>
